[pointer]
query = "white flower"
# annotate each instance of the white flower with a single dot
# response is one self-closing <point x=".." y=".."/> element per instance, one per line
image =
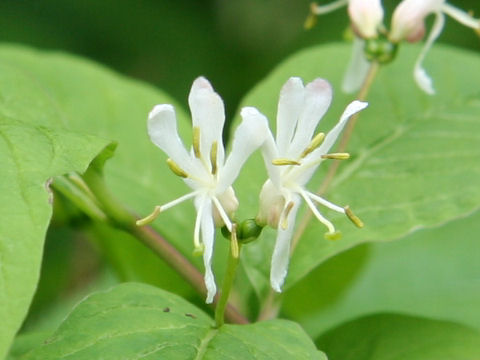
<point x="291" y="161"/>
<point x="366" y="15"/>
<point x="408" y="23"/>
<point x="204" y="169"/>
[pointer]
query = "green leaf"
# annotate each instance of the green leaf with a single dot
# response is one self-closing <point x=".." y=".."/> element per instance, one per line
<point x="93" y="99"/>
<point x="432" y="273"/>
<point x="414" y="157"/>
<point x="29" y="156"/>
<point x="395" y="337"/>
<point x="48" y="102"/>
<point x="140" y="321"/>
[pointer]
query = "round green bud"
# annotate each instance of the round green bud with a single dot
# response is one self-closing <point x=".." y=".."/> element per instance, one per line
<point x="380" y="50"/>
<point x="248" y="231"/>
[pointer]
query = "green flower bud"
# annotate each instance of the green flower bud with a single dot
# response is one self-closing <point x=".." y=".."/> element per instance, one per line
<point x="380" y="50"/>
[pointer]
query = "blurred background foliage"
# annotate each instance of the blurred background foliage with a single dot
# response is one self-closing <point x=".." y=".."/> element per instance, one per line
<point x="170" y="42"/>
<point x="167" y="43"/>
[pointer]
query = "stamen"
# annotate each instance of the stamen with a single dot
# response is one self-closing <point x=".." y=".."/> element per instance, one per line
<point x="178" y="201"/>
<point x="196" y="141"/>
<point x="177" y="170"/>
<point x="235" y="248"/>
<point x="336" y="235"/>
<point x="149" y="218"/>
<point x="213" y="157"/>
<point x="315" y="143"/>
<point x="223" y="214"/>
<point x="198" y="250"/>
<point x="336" y="156"/>
<point x="324" y="202"/>
<point x="354" y="218"/>
<point x="288" y="208"/>
<point x="282" y="162"/>
<point x="320" y="217"/>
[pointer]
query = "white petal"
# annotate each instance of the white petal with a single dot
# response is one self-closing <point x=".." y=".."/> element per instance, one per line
<point x="248" y="137"/>
<point x="357" y="68"/>
<point x="423" y="80"/>
<point x="318" y="96"/>
<point x="366" y="16"/>
<point x="281" y="252"/>
<point x="461" y="16"/>
<point x="208" y="114"/>
<point x="289" y="108"/>
<point x="207" y="228"/>
<point x="351" y="109"/>
<point x="409" y="17"/>
<point x="162" y="129"/>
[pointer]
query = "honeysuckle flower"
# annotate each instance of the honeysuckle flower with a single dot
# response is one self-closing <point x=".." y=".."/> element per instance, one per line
<point x="291" y="160"/>
<point x="366" y="16"/>
<point x="204" y="168"/>
<point x="408" y="23"/>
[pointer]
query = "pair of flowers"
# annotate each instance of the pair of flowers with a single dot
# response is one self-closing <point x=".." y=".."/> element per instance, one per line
<point x="408" y="23"/>
<point x="291" y="160"/>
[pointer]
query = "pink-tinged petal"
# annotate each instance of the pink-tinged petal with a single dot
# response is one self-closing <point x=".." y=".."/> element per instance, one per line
<point x="366" y="16"/>
<point x="409" y="16"/>
<point x="248" y="137"/>
<point x="162" y="129"/>
<point x="208" y="114"/>
<point x="318" y="96"/>
<point x="281" y="252"/>
<point x="290" y="106"/>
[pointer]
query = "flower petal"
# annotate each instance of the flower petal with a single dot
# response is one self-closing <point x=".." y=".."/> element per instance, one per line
<point x="208" y="114"/>
<point x="249" y="136"/>
<point x="162" y="129"/>
<point x="289" y="108"/>
<point x="351" y="109"/>
<point x="281" y="252"/>
<point x="357" y="68"/>
<point x="207" y="229"/>
<point x="318" y="96"/>
<point x="423" y="80"/>
<point x="461" y="16"/>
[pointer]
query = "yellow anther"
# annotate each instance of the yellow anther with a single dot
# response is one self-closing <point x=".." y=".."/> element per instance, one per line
<point x="177" y="170"/>
<point x="288" y="208"/>
<point x="149" y="218"/>
<point x="336" y="235"/>
<point x="315" y="143"/>
<point x="311" y="19"/>
<point x="283" y="162"/>
<point x="213" y="157"/>
<point x="354" y="218"/>
<point x="196" y="141"/>
<point x="198" y="251"/>
<point x="234" y="245"/>
<point x="336" y="156"/>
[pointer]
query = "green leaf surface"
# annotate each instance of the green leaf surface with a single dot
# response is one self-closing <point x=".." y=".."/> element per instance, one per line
<point x="30" y="155"/>
<point x="397" y="337"/>
<point x="132" y="321"/>
<point x="94" y="99"/>
<point x="414" y="160"/>
<point x="48" y="102"/>
<point x="432" y="273"/>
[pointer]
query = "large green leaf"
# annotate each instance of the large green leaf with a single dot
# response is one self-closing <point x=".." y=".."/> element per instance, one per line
<point x="29" y="156"/>
<point x="396" y="337"/>
<point x="95" y="100"/>
<point x="414" y="157"/>
<point x="433" y="273"/>
<point x="139" y="321"/>
<point x="47" y="102"/>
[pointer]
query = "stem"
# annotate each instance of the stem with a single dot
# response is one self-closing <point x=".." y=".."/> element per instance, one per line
<point x="272" y="305"/>
<point x="121" y="218"/>
<point x="232" y="264"/>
